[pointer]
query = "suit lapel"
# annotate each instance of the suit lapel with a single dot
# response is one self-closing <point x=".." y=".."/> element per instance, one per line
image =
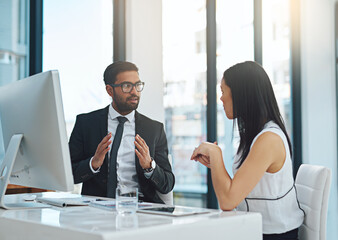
<point x="138" y="130"/>
<point x="103" y="123"/>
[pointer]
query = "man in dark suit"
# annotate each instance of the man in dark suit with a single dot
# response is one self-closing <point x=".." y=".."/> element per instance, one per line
<point x="117" y="146"/>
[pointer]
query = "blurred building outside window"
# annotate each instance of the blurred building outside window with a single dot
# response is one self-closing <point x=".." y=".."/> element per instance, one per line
<point x="184" y="72"/>
<point x="14" y="45"/>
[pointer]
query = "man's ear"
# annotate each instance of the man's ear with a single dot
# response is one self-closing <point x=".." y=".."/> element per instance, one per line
<point x="110" y="90"/>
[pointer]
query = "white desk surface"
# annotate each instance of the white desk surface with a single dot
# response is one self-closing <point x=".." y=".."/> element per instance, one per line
<point x="93" y="223"/>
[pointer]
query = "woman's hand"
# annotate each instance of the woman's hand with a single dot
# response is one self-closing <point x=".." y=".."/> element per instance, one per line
<point x="203" y="160"/>
<point x="204" y="152"/>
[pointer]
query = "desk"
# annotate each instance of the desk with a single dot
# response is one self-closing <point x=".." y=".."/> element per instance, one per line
<point x="89" y="223"/>
<point x="14" y="189"/>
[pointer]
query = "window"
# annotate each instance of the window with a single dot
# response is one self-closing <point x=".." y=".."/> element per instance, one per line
<point x="235" y="43"/>
<point x="184" y="71"/>
<point x="276" y="53"/>
<point x="13" y="45"/>
<point x="336" y="48"/>
<point x="78" y="41"/>
<point x="184" y="64"/>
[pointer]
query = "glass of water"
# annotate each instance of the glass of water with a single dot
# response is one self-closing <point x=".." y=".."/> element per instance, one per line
<point x="126" y="199"/>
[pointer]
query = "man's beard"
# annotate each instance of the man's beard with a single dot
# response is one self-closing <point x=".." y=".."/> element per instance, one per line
<point x="124" y="106"/>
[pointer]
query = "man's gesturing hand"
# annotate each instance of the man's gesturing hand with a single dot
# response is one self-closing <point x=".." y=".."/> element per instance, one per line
<point x="142" y="152"/>
<point x="101" y="152"/>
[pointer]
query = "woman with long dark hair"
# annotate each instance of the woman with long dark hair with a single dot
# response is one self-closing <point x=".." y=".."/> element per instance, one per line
<point x="263" y="176"/>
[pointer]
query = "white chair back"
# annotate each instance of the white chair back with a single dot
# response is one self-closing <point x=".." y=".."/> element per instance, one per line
<point x="313" y="187"/>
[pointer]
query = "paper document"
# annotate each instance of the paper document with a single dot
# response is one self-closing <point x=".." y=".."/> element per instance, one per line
<point x="63" y="202"/>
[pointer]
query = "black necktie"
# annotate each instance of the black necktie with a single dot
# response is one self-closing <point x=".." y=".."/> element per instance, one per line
<point x="112" y="171"/>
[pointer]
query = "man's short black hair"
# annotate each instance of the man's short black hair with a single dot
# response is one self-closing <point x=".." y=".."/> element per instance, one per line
<point x="109" y="75"/>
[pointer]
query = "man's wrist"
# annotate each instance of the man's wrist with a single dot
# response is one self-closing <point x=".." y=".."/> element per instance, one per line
<point x="152" y="166"/>
<point x="92" y="168"/>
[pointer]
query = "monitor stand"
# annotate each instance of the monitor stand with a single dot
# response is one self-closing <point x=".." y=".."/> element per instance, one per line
<point x="5" y="172"/>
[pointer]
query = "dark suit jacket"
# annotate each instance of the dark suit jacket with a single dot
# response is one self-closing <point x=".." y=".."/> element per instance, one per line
<point x="89" y="131"/>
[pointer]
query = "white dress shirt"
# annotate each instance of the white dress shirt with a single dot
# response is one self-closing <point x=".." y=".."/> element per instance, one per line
<point x="125" y="163"/>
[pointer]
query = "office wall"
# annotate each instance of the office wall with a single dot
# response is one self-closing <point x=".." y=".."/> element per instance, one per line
<point x="144" y="48"/>
<point x="319" y="123"/>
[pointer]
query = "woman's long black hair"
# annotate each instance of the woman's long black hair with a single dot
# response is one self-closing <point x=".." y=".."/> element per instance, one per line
<point x="254" y="103"/>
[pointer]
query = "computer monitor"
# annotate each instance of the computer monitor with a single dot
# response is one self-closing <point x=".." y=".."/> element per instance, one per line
<point x="34" y="136"/>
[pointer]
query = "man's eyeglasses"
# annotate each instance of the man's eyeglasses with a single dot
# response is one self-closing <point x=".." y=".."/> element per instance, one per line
<point x="127" y="87"/>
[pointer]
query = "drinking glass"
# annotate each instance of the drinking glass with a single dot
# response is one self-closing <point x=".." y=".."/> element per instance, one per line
<point x="126" y="199"/>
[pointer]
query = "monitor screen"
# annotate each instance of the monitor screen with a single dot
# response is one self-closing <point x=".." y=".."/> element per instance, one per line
<point x="32" y="108"/>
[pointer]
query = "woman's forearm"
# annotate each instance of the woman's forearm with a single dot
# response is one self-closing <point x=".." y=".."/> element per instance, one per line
<point x="221" y="180"/>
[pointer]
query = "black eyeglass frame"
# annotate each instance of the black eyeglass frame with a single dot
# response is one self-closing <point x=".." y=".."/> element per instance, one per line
<point x="132" y="84"/>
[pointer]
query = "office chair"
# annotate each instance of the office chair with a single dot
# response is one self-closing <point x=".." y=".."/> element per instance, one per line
<point x="313" y="187"/>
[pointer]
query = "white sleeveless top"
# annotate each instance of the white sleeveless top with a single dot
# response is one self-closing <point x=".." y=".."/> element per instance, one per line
<point x="274" y="196"/>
